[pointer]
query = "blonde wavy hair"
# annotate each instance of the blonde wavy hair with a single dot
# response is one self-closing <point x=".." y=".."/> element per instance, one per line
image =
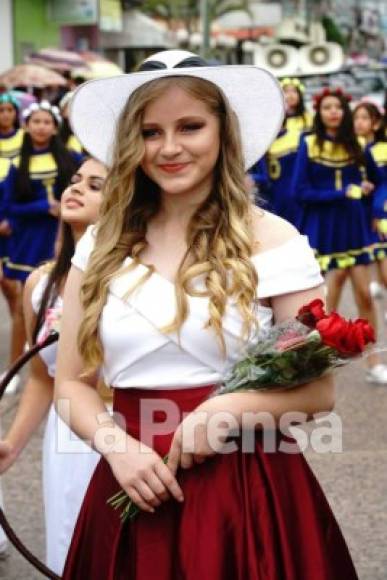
<point x="219" y="236"/>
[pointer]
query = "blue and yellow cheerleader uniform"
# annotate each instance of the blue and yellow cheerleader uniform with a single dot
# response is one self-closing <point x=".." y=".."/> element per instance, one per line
<point x="10" y="144"/>
<point x="301" y="123"/>
<point x="338" y="227"/>
<point x="34" y="228"/>
<point x="281" y="159"/>
<point x="273" y="176"/>
<point x="379" y="207"/>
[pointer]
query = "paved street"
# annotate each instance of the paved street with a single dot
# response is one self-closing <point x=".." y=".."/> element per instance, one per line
<point x="355" y="481"/>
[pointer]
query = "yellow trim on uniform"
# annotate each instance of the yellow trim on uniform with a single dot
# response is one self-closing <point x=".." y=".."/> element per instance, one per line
<point x="10" y="146"/>
<point x="282" y="146"/>
<point x="5" y="164"/>
<point x="73" y="144"/>
<point x="41" y="166"/>
<point x="379" y="153"/>
<point x="354" y="191"/>
<point x="300" y="123"/>
<point x="345" y="259"/>
<point x="331" y="154"/>
<point x="382" y="226"/>
<point x="338" y="180"/>
<point x="21" y="267"/>
<point x="285" y="144"/>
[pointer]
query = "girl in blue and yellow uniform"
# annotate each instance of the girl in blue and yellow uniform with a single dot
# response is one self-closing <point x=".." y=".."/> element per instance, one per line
<point x="334" y="180"/>
<point x="369" y="125"/>
<point x="11" y="138"/>
<point x="11" y="289"/>
<point x="276" y="183"/>
<point x="11" y="135"/>
<point x="273" y="174"/>
<point x="297" y="117"/>
<point x="32" y="191"/>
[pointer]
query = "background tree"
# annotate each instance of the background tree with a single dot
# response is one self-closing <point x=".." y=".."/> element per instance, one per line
<point x="188" y="11"/>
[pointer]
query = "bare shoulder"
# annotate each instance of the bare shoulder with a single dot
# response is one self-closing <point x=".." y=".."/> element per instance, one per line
<point x="270" y="230"/>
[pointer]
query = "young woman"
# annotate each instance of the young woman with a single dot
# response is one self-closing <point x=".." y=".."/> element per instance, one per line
<point x="32" y="191"/>
<point x="11" y="138"/>
<point x="369" y="125"/>
<point x="164" y="296"/>
<point x="368" y="122"/>
<point x="334" y="180"/>
<point x="297" y="117"/>
<point x="273" y="175"/>
<point x="11" y="135"/>
<point x="67" y="464"/>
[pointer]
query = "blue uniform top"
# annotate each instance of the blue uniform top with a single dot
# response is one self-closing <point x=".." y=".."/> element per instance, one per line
<point x="324" y="176"/>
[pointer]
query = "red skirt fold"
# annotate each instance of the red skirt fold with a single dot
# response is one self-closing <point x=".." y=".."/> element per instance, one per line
<point x="246" y="516"/>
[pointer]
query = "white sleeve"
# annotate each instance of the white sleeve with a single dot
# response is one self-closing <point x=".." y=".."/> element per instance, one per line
<point x="291" y="267"/>
<point x="84" y="248"/>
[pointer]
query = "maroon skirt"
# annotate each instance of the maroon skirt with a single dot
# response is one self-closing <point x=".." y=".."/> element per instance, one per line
<point x="245" y="516"/>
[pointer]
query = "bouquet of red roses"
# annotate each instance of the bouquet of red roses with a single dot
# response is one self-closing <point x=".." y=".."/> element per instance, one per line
<point x="286" y="355"/>
<point x="299" y="350"/>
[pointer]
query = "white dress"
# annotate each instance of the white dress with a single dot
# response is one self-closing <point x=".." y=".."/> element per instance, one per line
<point x="137" y="354"/>
<point x="68" y="464"/>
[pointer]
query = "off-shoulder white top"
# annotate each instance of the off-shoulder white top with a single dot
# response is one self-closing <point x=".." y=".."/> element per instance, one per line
<point x="138" y="354"/>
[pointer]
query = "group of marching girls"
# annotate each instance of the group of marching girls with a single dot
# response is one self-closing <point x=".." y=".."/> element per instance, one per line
<point x="38" y="155"/>
<point x="328" y="176"/>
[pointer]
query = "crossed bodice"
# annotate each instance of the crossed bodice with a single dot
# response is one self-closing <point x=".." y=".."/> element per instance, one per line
<point x="138" y="353"/>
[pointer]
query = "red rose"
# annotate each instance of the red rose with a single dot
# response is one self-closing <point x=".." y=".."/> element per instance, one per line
<point x="311" y="313"/>
<point x="333" y="329"/>
<point x="359" y="334"/>
<point x="367" y="329"/>
<point x="348" y="337"/>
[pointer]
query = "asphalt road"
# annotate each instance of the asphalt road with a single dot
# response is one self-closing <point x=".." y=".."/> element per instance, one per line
<point x="354" y="480"/>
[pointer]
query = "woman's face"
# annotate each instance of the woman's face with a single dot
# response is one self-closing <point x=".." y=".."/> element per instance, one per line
<point x="41" y="126"/>
<point x="81" y="200"/>
<point x="292" y="98"/>
<point x="331" y="112"/>
<point x="7" y="117"/>
<point x="182" y="144"/>
<point x="364" y="126"/>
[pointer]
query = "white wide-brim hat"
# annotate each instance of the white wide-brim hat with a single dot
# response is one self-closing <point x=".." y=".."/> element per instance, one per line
<point x="253" y="93"/>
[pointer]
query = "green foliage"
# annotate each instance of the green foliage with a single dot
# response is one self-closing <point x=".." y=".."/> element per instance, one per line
<point x="332" y="31"/>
